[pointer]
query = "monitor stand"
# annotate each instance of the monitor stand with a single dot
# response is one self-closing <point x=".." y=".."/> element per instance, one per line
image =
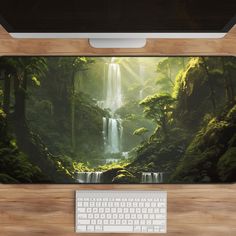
<point x="117" y="42"/>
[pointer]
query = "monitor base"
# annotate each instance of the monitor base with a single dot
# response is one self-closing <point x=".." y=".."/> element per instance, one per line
<point x="117" y="43"/>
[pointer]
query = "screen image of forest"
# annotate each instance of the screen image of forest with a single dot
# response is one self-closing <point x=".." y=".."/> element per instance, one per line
<point x="117" y="120"/>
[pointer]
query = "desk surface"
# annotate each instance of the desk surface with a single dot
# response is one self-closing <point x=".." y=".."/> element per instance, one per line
<point x="43" y="210"/>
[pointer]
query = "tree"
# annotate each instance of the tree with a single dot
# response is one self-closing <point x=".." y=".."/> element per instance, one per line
<point x="73" y="65"/>
<point x="140" y="132"/>
<point x="78" y="64"/>
<point x="26" y="68"/>
<point x="159" y="107"/>
<point x="228" y="83"/>
<point x="7" y="71"/>
<point x="167" y="70"/>
<point x="210" y="82"/>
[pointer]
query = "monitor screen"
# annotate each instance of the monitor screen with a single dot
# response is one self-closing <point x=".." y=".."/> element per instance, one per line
<point x="106" y="16"/>
<point x="117" y="120"/>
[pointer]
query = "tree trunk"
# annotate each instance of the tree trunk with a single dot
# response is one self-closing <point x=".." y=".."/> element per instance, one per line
<point x="164" y="127"/>
<point x="228" y="90"/>
<point x="20" y="95"/>
<point x="232" y="88"/>
<point x="73" y="111"/>
<point x="210" y="85"/>
<point x="7" y="91"/>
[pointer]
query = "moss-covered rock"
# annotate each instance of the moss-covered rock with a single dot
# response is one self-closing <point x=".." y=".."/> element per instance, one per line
<point x="124" y="176"/>
<point x="227" y="165"/>
<point x="109" y="175"/>
<point x="203" y="160"/>
<point x="193" y="87"/>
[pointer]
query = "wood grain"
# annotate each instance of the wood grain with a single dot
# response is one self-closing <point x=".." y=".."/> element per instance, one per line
<point x="49" y="209"/>
<point x="224" y="46"/>
<point x="43" y="210"/>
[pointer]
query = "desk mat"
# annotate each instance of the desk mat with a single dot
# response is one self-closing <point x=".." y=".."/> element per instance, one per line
<point x="117" y="120"/>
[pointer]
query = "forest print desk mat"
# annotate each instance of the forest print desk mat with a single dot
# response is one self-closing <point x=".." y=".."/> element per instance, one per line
<point x="117" y="120"/>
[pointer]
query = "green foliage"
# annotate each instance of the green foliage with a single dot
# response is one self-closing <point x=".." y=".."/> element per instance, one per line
<point x="140" y="131"/>
<point x="36" y="81"/>
<point x="6" y="179"/>
<point x="14" y="165"/>
<point x="2" y="114"/>
<point x="17" y="166"/>
<point x="183" y="76"/>
<point x="82" y="167"/>
<point x="227" y="165"/>
<point x="132" y="119"/>
<point x="167" y="71"/>
<point x="195" y="91"/>
<point x="115" y="165"/>
<point x="204" y="159"/>
<point x="124" y="176"/>
<point x="159" y="107"/>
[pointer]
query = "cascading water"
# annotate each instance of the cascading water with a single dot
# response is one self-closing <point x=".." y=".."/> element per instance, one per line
<point x="125" y="155"/>
<point x="89" y="177"/>
<point x="112" y="126"/>
<point x="111" y="160"/>
<point x="141" y="94"/>
<point x="141" y="75"/>
<point x="152" y="177"/>
<point x="112" y="134"/>
<point x="113" y="99"/>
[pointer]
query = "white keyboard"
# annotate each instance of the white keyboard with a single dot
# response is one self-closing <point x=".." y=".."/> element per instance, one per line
<point x="108" y="211"/>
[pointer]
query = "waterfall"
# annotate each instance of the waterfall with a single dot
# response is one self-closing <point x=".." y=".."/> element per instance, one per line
<point x="125" y="155"/>
<point x="152" y="177"/>
<point x="112" y="126"/>
<point x="112" y="134"/>
<point x="141" y="75"/>
<point x="141" y="94"/>
<point x="111" y="160"/>
<point x="89" y="177"/>
<point x="113" y="99"/>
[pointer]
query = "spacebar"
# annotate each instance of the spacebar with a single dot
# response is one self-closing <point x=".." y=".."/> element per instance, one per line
<point x="117" y="228"/>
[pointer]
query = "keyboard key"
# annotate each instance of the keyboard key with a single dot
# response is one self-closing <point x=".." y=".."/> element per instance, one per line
<point x="112" y="222"/>
<point x="81" y="210"/>
<point x="98" y="228"/>
<point x="82" y="216"/>
<point x="124" y="222"/>
<point x="130" y="222"/>
<point x="144" y="228"/>
<point x="93" y="222"/>
<point x="137" y="229"/>
<point x="105" y="222"/>
<point x="118" y="222"/>
<point x="84" y="222"/>
<point x="136" y="222"/>
<point x="119" y="228"/>
<point x="90" y="228"/>
<point x="81" y="228"/>
<point x="150" y="229"/>
<point x="162" y="210"/>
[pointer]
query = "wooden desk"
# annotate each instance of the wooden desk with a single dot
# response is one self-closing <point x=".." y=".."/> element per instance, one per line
<point x="43" y="210"/>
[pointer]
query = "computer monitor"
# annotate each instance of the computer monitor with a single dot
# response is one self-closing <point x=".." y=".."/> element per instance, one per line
<point x="117" y="120"/>
<point x="118" y="23"/>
